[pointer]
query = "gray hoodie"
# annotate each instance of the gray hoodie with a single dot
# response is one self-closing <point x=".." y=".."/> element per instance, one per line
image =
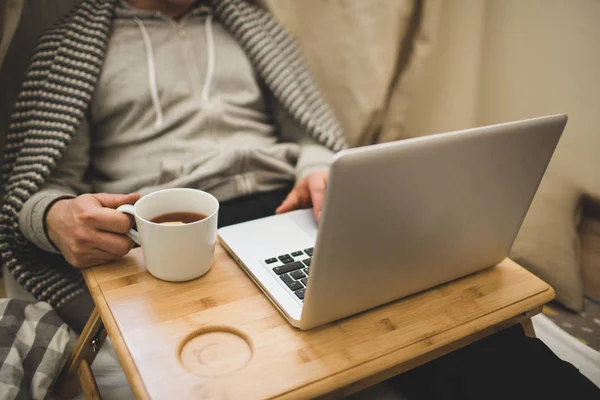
<point x="178" y="104"/>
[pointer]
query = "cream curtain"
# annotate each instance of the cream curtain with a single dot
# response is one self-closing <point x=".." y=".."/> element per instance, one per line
<point x="367" y="57"/>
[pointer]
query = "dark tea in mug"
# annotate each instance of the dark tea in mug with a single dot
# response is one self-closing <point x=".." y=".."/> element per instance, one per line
<point x="178" y="218"/>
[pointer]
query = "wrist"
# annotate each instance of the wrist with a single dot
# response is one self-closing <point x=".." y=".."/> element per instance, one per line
<point x="311" y="169"/>
<point x="53" y="216"/>
<point x="32" y="217"/>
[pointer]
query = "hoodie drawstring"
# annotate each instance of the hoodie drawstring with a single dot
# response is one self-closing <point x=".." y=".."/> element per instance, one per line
<point x="151" y="73"/>
<point x="210" y="67"/>
<point x="210" y="63"/>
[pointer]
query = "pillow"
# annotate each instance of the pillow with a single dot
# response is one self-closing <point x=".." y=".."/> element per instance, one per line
<point x="589" y="233"/>
<point x="548" y="243"/>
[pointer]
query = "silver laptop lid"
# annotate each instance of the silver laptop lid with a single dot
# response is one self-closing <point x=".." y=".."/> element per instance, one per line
<point x="405" y="216"/>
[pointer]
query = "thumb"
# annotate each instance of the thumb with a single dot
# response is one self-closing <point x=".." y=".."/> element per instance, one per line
<point x="116" y="200"/>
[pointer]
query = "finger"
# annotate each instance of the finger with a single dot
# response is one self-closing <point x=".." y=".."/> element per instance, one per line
<point x="299" y="197"/>
<point x="316" y="186"/>
<point x="107" y="219"/>
<point x="116" y="200"/>
<point x="90" y="258"/>
<point x="290" y="203"/>
<point x="113" y="244"/>
<point x="102" y="259"/>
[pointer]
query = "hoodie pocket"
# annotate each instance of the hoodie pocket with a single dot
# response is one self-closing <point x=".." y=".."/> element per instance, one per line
<point x="280" y="158"/>
<point x="170" y="170"/>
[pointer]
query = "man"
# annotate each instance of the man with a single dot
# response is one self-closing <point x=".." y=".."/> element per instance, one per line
<point x="177" y="105"/>
<point x="177" y="102"/>
<point x="184" y="94"/>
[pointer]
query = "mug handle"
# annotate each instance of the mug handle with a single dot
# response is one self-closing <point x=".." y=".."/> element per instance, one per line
<point x="132" y="234"/>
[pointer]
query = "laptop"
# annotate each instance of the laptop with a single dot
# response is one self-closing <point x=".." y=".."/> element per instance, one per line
<point x="398" y="218"/>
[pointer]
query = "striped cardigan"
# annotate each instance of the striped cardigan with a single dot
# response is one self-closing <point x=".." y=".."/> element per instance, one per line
<point x="57" y="91"/>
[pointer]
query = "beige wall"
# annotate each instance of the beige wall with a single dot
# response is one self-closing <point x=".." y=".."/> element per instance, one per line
<point x="542" y="57"/>
<point x="497" y="61"/>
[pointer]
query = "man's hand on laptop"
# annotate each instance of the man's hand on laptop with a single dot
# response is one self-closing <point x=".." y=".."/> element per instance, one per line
<point x="308" y="191"/>
<point x="88" y="230"/>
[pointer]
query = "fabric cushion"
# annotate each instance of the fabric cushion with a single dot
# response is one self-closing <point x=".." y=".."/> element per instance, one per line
<point x="589" y="232"/>
<point x="548" y="244"/>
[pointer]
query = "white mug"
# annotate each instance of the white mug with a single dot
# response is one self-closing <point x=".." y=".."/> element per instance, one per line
<point x="175" y="253"/>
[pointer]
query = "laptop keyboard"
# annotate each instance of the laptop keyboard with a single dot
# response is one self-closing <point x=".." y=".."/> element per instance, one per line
<point x="292" y="269"/>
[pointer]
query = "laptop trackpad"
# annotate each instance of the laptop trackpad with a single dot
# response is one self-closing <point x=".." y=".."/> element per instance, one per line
<point x="271" y="236"/>
<point x="305" y="221"/>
